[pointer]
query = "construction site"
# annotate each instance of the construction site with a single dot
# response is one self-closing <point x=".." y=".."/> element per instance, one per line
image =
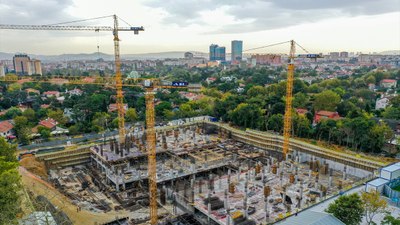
<point x="207" y="173"/>
<point x="200" y="172"/>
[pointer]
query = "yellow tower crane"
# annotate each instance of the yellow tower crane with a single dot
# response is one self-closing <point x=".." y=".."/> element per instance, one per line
<point x="287" y="125"/>
<point x="115" y="29"/>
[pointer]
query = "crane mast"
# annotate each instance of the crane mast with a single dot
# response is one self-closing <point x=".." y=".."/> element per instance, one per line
<point x="118" y="81"/>
<point x="287" y="126"/>
<point x="151" y="151"/>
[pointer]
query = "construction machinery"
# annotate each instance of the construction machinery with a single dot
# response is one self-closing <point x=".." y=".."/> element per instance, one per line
<point x="287" y="124"/>
<point x="115" y="29"/>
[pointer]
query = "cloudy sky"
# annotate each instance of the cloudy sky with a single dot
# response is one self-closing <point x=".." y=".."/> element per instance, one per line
<point x="184" y="25"/>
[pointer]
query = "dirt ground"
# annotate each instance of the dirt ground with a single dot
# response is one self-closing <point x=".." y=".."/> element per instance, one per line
<point x="34" y="166"/>
<point x="39" y="187"/>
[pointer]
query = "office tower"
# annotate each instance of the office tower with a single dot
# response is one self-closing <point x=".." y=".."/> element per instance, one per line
<point x="217" y="53"/>
<point x="237" y="50"/>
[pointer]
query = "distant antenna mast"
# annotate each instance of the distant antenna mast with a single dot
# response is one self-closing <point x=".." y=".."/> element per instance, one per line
<point x="98" y="45"/>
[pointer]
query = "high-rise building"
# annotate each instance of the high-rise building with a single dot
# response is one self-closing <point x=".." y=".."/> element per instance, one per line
<point x="188" y="55"/>
<point x="23" y="65"/>
<point x="36" y="66"/>
<point x="2" y="70"/>
<point x="237" y="50"/>
<point x="344" y="55"/>
<point x="217" y="53"/>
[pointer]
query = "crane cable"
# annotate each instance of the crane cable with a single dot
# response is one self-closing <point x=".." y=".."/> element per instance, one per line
<point x="83" y="20"/>
<point x="266" y="46"/>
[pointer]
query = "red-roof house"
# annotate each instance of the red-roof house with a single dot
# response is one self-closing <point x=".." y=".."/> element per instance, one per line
<point x="388" y="83"/>
<point x="301" y="111"/>
<point x="6" y="129"/>
<point x="49" y="123"/>
<point x="44" y="106"/>
<point x="52" y="94"/>
<point x="31" y="90"/>
<point x="113" y="107"/>
<point x="321" y="115"/>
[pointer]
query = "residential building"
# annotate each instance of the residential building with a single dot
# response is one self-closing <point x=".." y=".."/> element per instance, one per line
<point x="188" y="55"/>
<point x="267" y="59"/>
<point x="388" y="83"/>
<point x="31" y="90"/>
<point x="371" y="87"/>
<point x="217" y="53"/>
<point x="334" y="55"/>
<point x="75" y="91"/>
<point x="344" y="55"/>
<point x="236" y="51"/>
<point x="210" y="80"/>
<point x="2" y="70"/>
<point x="49" y="123"/>
<point x="49" y="94"/>
<point x="301" y="111"/>
<point x="23" y="65"/>
<point x="382" y="103"/>
<point x="36" y="66"/>
<point x="321" y="115"/>
<point x="113" y="107"/>
<point x="6" y="129"/>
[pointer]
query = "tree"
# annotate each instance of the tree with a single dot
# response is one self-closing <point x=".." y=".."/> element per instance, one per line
<point x="161" y="107"/>
<point x="390" y="220"/>
<point x="44" y="132"/>
<point x="131" y="115"/>
<point x="30" y="115"/>
<point x="100" y="121"/>
<point x="246" y="115"/>
<point x="379" y="134"/>
<point x="7" y="150"/>
<point x="13" y="112"/>
<point x="373" y="204"/>
<point x="326" y="100"/>
<point x="10" y="185"/>
<point x="348" y="209"/>
<point x="391" y="113"/>
<point x="14" y="87"/>
<point x="300" y="100"/>
<point x="22" y="129"/>
<point x="58" y="115"/>
<point x="275" y="122"/>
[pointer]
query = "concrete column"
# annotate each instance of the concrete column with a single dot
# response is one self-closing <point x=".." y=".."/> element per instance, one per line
<point x="266" y="209"/>
<point x="228" y="218"/>
<point x="330" y="178"/>
<point x="246" y="215"/>
<point x="301" y="195"/>
<point x="345" y="172"/>
<point x="209" y="209"/>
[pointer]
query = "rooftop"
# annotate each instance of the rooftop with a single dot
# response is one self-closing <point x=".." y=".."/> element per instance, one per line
<point x="5" y="126"/>
<point x="309" y="217"/>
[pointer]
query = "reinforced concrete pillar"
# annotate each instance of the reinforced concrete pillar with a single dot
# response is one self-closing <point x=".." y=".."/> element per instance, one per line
<point x="246" y="215"/>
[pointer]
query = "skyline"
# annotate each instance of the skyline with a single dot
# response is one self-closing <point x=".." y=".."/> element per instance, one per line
<point x="357" y="26"/>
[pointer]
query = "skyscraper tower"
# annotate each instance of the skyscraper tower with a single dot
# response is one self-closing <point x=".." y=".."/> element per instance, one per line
<point x="217" y="53"/>
<point x="237" y="50"/>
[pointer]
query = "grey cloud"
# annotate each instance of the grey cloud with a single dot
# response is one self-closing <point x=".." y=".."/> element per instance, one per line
<point x="270" y="14"/>
<point x="34" y="11"/>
